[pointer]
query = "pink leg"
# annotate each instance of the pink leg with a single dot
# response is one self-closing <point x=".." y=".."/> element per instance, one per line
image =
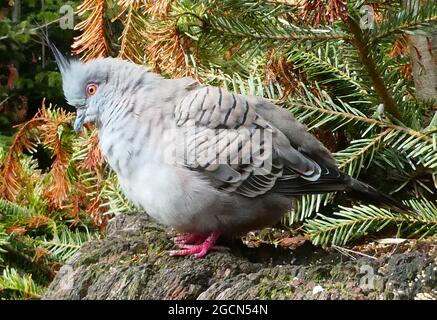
<point x="192" y="238"/>
<point x="198" y="250"/>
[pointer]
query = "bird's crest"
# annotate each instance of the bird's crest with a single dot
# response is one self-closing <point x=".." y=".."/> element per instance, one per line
<point x="62" y="61"/>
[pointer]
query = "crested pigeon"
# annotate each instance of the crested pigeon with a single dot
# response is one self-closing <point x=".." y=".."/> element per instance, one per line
<point x="202" y="160"/>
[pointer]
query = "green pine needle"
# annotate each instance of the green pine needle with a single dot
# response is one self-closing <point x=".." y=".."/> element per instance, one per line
<point x="354" y="222"/>
<point x="19" y="286"/>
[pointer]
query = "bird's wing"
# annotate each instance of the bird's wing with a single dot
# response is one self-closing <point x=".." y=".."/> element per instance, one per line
<point x="230" y="142"/>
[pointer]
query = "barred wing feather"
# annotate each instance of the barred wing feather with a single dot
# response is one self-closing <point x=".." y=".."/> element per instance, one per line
<point x="228" y="141"/>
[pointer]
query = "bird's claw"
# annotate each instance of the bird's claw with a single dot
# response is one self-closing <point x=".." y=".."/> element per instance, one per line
<point x="199" y="250"/>
<point x="194" y="238"/>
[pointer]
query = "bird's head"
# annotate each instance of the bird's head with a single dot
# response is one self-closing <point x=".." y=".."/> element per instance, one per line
<point x="94" y="85"/>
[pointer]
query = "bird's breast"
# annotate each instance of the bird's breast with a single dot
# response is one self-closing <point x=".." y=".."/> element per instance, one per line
<point x="166" y="191"/>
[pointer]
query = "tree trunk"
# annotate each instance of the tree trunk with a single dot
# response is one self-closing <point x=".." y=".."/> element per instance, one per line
<point x="423" y="53"/>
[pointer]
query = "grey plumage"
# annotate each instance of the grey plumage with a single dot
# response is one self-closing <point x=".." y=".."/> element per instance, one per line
<point x="163" y="137"/>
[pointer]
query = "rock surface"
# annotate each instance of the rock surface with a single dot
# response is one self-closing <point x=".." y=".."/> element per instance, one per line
<point x="132" y="263"/>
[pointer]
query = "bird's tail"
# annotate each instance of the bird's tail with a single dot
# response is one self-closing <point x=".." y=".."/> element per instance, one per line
<point x="366" y="192"/>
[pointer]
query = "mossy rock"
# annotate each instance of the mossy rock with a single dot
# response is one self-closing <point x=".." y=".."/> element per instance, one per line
<point x="132" y="263"/>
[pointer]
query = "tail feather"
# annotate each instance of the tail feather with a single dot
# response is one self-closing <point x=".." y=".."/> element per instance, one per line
<point x="333" y="180"/>
<point x="366" y="192"/>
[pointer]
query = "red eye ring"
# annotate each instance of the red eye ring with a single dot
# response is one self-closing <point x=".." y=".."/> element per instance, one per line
<point x="91" y="89"/>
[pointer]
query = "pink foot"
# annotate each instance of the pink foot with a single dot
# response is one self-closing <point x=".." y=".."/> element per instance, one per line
<point x="193" y="238"/>
<point x="198" y="250"/>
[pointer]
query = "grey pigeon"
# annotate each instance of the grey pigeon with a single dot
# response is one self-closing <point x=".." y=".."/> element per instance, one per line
<point x="202" y="160"/>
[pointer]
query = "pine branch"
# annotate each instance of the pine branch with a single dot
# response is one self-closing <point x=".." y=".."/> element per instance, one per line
<point x="326" y="68"/>
<point x="11" y="173"/>
<point x="306" y="206"/>
<point x="113" y="198"/>
<point x="361" y="44"/>
<point x="55" y="138"/>
<point x="352" y="223"/>
<point x="415" y="144"/>
<point x="238" y="29"/>
<point x="415" y="147"/>
<point x="19" y="219"/>
<point x="90" y="174"/>
<point x="357" y="118"/>
<point x="359" y="154"/>
<point x="168" y="48"/>
<point x="44" y="126"/>
<point x="92" y="40"/>
<point x="248" y="23"/>
<point x="158" y="8"/>
<point x="406" y="19"/>
<point x="65" y="243"/>
<point x="4" y="240"/>
<point x="132" y="37"/>
<point x="23" y="287"/>
<point x="11" y="209"/>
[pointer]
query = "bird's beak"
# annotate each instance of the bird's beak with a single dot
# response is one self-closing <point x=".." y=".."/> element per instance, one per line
<point x="80" y="118"/>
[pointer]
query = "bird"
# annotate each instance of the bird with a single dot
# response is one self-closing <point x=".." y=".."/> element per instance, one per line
<point x="207" y="162"/>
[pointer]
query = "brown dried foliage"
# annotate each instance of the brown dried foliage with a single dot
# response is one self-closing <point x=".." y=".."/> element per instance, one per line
<point x="230" y="53"/>
<point x="92" y="41"/>
<point x="284" y="73"/>
<point x="97" y="212"/>
<point x="166" y="47"/>
<point x="58" y="189"/>
<point x="11" y="171"/>
<point x="400" y="49"/>
<point x="35" y="222"/>
<point x="333" y="141"/>
<point x="94" y="158"/>
<point x="407" y="71"/>
<point x="93" y="162"/>
<point x="87" y="198"/>
<point x="41" y="128"/>
<point x="40" y="254"/>
<point x="124" y="4"/>
<point x="158" y="8"/>
<point x="291" y="239"/>
<point x="132" y="38"/>
<point x="321" y="12"/>
<point x="61" y="193"/>
<point x="16" y="230"/>
<point x="166" y="50"/>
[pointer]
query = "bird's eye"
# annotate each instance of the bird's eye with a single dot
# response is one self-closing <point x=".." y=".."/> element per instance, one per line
<point x="91" y="89"/>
